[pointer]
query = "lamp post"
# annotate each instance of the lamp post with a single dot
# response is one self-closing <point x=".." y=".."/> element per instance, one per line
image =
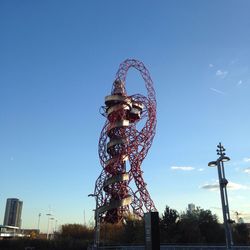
<point x="52" y="232"/>
<point x="38" y="224"/>
<point x="97" y="223"/>
<point x="223" y="192"/>
<point x="49" y="214"/>
<point x="55" y="225"/>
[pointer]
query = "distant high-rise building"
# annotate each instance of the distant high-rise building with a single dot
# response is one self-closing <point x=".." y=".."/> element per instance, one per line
<point x="191" y="207"/>
<point x="13" y="212"/>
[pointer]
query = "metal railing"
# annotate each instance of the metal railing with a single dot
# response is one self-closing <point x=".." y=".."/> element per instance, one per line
<point x="173" y="247"/>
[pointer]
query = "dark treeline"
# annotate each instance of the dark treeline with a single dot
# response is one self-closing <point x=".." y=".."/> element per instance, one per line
<point x="197" y="227"/>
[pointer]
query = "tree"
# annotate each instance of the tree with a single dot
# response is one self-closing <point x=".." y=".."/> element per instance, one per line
<point x="134" y="231"/>
<point x="188" y="228"/>
<point x="168" y="225"/>
<point x="130" y="231"/>
<point x="198" y="226"/>
<point x="210" y="229"/>
<point x="76" y="231"/>
<point x="170" y="216"/>
<point x="241" y="234"/>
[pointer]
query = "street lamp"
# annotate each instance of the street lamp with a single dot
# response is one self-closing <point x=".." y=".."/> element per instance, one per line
<point x="52" y="233"/>
<point x="55" y="225"/>
<point x="223" y="192"/>
<point x="49" y="214"/>
<point x="97" y="223"/>
<point x="38" y="224"/>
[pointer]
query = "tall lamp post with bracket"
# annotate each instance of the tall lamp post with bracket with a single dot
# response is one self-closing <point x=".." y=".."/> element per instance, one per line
<point x="219" y="163"/>
<point x="97" y="223"/>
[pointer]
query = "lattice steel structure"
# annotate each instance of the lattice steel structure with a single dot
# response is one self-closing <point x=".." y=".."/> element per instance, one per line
<point x="123" y="147"/>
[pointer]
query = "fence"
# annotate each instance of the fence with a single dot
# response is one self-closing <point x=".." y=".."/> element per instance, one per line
<point x="174" y="247"/>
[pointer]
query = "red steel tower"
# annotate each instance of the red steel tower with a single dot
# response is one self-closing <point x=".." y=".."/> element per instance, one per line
<point x="124" y="143"/>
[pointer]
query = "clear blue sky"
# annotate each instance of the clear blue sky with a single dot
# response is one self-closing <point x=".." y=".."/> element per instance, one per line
<point x="58" y="60"/>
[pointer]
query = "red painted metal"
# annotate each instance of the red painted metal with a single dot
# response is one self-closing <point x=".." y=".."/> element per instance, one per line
<point x="124" y="143"/>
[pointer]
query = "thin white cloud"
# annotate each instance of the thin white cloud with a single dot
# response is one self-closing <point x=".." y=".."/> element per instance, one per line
<point x="221" y="73"/>
<point x="246" y="159"/>
<point x="210" y="65"/>
<point x="236" y="186"/>
<point x="247" y="170"/>
<point x="201" y="169"/>
<point x="239" y="82"/>
<point x="234" y="61"/>
<point x="211" y="187"/>
<point x="218" y="91"/>
<point x="231" y="185"/>
<point x="183" y="168"/>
